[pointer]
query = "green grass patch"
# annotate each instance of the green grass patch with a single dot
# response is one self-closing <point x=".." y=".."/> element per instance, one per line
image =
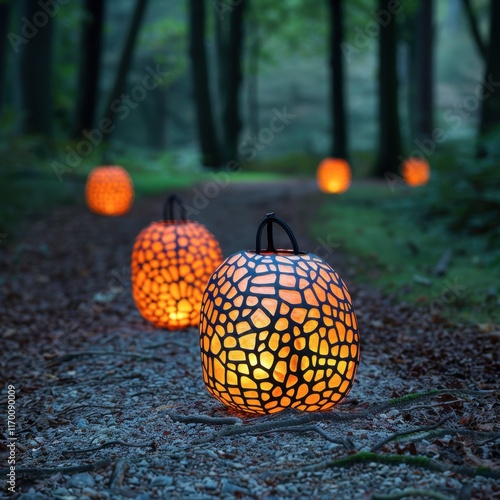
<point x="386" y="247"/>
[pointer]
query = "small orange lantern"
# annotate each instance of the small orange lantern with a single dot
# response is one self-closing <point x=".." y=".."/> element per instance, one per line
<point x="334" y="175"/>
<point x="109" y="190"/>
<point x="172" y="261"/>
<point x="416" y="171"/>
<point x="278" y="330"/>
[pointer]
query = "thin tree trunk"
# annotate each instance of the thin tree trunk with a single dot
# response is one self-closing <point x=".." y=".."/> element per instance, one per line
<point x="232" y="123"/>
<point x="411" y="27"/>
<point x="339" y="147"/>
<point x="424" y="69"/>
<point x="253" y="80"/>
<point x="209" y="144"/>
<point x="474" y="29"/>
<point x="490" y="110"/>
<point x="4" y="28"/>
<point x="90" y="67"/>
<point x="125" y="61"/>
<point x="389" y="148"/>
<point x="36" y="58"/>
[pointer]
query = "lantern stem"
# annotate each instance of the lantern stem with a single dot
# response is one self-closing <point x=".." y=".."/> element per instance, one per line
<point x="169" y="206"/>
<point x="268" y="221"/>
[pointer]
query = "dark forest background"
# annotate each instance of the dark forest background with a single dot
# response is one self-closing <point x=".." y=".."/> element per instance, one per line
<point x="177" y="91"/>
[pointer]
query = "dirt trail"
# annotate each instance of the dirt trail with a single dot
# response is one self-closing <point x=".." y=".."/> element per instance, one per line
<point x="100" y="390"/>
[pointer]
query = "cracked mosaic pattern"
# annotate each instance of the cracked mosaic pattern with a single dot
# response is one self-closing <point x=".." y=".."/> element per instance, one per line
<point x="277" y="331"/>
<point x="171" y="264"/>
<point x="109" y="191"/>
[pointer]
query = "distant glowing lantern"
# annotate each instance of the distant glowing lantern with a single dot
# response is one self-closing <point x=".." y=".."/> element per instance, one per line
<point x="278" y="330"/>
<point x="109" y="190"/>
<point x="172" y="261"/>
<point x="334" y="175"/>
<point x="416" y="171"/>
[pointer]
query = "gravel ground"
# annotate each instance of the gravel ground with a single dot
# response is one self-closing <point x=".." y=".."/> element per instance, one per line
<point x="109" y="407"/>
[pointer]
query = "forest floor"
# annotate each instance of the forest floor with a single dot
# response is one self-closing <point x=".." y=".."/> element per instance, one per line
<point x="106" y="406"/>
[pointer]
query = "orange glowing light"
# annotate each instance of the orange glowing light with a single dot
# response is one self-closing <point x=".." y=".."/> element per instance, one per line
<point x="172" y="261"/>
<point x="276" y="343"/>
<point x="333" y="175"/>
<point x="416" y="171"/>
<point x="109" y="191"/>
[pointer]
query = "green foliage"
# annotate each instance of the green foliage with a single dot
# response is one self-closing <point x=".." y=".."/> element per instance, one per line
<point x="292" y="164"/>
<point x="464" y="195"/>
<point x="288" y="27"/>
<point x="67" y="41"/>
<point x="388" y="240"/>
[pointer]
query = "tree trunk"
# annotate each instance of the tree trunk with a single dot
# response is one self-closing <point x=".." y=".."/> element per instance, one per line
<point x="90" y="66"/>
<point x="4" y="28"/>
<point x="36" y="58"/>
<point x="389" y="148"/>
<point x="210" y="149"/>
<point x="424" y="63"/>
<point x="474" y="28"/>
<point x="490" y="110"/>
<point x="253" y="80"/>
<point x="232" y="123"/>
<point x="338" y="116"/>
<point x="124" y="65"/>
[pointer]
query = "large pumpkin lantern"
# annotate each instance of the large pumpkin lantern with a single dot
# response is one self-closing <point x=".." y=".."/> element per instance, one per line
<point x="278" y="330"/>
<point x="333" y="175"/>
<point x="109" y="191"/>
<point x="416" y="171"/>
<point x="172" y="261"/>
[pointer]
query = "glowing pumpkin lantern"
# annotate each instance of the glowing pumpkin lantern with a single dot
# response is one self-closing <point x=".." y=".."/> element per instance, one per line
<point x="416" y="171"/>
<point x="334" y="175"/>
<point x="172" y="261"/>
<point x="109" y="190"/>
<point x="278" y="330"/>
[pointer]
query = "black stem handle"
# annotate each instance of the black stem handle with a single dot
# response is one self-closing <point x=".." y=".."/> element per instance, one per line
<point x="268" y="221"/>
<point x="169" y="206"/>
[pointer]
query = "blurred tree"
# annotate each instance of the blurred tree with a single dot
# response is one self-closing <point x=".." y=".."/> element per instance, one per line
<point x="338" y="117"/>
<point x="36" y="64"/>
<point x="490" y="109"/>
<point x="254" y="53"/>
<point x="90" y="66"/>
<point x="474" y="28"/>
<point x="116" y="95"/>
<point x="231" y="120"/>
<point x="210" y="147"/>
<point x="164" y="44"/>
<point x="389" y="140"/>
<point x="424" y="65"/>
<point x="4" y="27"/>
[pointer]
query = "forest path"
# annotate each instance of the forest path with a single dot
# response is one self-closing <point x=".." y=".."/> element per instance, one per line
<point x="89" y="373"/>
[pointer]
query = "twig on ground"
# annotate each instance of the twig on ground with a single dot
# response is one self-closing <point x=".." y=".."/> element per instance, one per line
<point x="118" y="474"/>
<point x="490" y="440"/>
<point x="49" y="471"/>
<point x="336" y="416"/>
<point x="433" y="405"/>
<point x="203" y="419"/>
<point x="413" y="461"/>
<point x="443" y="263"/>
<point x="168" y="342"/>
<point x="79" y="407"/>
<point x="107" y="444"/>
<point x="346" y="443"/>
<point x="72" y="355"/>
<point x="416" y="430"/>
<point x="422" y="280"/>
<point x="475" y="435"/>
